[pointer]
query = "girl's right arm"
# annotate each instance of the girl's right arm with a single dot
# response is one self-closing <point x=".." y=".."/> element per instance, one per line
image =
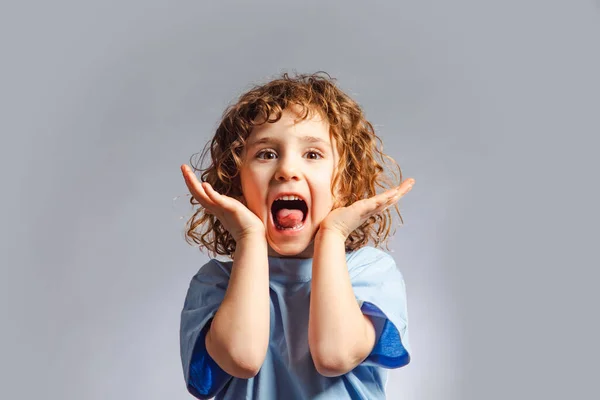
<point x="239" y="334"/>
<point x="238" y="337"/>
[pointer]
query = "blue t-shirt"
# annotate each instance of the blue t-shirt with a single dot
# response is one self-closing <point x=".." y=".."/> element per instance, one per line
<point x="288" y="371"/>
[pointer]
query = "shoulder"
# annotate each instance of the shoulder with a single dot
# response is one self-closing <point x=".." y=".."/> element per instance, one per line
<point x="209" y="282"/>
<point x="369" y="259"/>
<point x="370" y="253"/>
<point x="212" y="272"/>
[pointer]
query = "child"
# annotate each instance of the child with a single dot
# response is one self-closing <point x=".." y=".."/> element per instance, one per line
<point x="305" y="309"/>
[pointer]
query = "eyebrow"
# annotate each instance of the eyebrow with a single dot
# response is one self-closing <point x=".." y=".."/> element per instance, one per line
<point x="307" y="139"/>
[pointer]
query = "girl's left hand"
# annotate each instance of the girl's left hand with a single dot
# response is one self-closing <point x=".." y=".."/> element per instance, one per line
<point x="344" y="220"/>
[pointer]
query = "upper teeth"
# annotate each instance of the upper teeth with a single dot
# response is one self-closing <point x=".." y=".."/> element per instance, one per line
<point x="288" y="198"/>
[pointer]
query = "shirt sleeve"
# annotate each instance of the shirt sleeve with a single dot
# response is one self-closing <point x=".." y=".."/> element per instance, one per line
<point x="381" y="294"/>
<point x="203" y="377"/>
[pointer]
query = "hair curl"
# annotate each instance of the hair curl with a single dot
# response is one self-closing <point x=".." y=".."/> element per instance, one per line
<point x="360" y="170"/>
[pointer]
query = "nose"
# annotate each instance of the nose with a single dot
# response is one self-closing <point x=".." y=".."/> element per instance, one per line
<point x="287" y="169"/>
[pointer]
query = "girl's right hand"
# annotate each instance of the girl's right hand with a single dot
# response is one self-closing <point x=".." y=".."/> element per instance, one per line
<point x="235" y="217"/>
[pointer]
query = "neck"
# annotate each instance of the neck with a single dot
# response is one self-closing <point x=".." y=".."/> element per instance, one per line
<point x="306" y="253"/>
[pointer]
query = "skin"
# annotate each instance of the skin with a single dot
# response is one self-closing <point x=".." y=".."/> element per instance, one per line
<point x="290" y="156"/>
<point x="278" y="158"/>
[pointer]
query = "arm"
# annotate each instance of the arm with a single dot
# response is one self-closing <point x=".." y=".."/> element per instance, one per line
<point x="238" y="337"/>
<point x="340" y="337"/>
<point x="239" y="333"/>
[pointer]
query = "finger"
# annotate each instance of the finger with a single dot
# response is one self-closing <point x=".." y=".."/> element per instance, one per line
<point x="203" y="198"/>
<point x="401" y="191"/>
<point x="405" y="187"/>
<point x="225" y="202"/>
<point x="388" y="198"/>
<point x="189" y="176"/>
<point x="196" y="188"/>
<point x="383" y="199"/>
<point x="373" y="205"/>
<point x="192" y="182"/>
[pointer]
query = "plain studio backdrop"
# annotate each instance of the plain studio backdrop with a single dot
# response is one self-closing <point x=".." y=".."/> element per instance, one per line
<point x="492" y="106"/>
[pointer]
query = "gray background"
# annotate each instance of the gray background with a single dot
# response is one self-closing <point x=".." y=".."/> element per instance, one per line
<point x="492" y="106"/>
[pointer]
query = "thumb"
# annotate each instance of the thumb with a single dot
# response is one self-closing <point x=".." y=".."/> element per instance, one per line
<point x="241" y="199"/>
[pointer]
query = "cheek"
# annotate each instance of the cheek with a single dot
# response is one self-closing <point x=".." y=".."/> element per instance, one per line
<point x="254" y="194"/>
<point x="325" y="199"/>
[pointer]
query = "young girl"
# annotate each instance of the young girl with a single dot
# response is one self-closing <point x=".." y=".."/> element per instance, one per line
<point x="305" y="309"/>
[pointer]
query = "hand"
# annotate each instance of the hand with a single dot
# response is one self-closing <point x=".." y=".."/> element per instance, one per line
<point x="345" y="220"/>
<point x="235" y="216"/>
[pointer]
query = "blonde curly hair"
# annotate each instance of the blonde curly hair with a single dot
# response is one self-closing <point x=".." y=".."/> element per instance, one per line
<point x="360" y="170"/>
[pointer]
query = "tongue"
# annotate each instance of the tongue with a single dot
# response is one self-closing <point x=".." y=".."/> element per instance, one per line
<point x="288" y="218"/>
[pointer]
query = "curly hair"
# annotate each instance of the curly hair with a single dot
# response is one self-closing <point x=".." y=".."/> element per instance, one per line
<point x="359" y="173"/>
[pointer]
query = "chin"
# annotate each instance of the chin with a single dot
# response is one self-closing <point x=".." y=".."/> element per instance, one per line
<point x="291" y="243"/>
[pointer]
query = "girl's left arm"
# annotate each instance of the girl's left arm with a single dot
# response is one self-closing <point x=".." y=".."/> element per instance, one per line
<point x="340" y="336"/>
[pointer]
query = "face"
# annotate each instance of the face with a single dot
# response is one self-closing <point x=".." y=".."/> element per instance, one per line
<point x="290" y="157"/>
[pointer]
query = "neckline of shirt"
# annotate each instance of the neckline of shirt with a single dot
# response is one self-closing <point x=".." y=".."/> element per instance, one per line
<point x="290" y="268"/>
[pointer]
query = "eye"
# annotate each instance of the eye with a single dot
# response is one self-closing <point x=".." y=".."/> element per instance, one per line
<point x="314" y="154"/>
<point x="266" y="154"/>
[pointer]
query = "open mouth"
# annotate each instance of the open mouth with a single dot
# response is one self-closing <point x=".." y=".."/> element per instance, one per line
<point x="289" y="215"/>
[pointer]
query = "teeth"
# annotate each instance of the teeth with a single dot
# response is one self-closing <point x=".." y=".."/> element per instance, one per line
<point x="298" y="226"/>
<point x="288" y="198"/>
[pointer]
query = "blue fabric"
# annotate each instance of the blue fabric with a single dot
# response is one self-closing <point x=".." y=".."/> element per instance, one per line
<point x="205" y="375"/>
<point x="389" y="351"/>
<point x="288" y="371"/>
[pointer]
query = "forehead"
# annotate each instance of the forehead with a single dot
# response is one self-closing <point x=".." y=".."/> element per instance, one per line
<point x="314" y="129"/>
